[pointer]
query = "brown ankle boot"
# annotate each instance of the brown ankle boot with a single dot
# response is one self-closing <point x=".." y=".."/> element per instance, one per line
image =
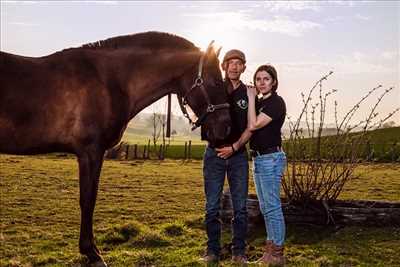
<point x="273" y="255"/>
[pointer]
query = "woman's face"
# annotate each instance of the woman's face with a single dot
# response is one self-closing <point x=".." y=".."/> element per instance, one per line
<point x="264" y="82"/>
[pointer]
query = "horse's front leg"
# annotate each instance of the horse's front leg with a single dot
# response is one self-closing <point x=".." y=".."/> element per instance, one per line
<point x="90" y="163"/>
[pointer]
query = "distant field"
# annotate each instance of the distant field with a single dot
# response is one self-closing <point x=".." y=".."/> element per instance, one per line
<point x="150" y="213"/>
<point x="386" y="135"/>
<point x="384" y="145"/>
<point x="383" y="136"/>
<point x="175" y="140"/>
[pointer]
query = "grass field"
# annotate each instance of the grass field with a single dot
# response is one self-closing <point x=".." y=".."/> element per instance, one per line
<point x="151" y="214"/>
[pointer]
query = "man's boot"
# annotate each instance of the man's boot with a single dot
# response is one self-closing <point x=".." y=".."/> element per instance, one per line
<point x="209" y="258"/>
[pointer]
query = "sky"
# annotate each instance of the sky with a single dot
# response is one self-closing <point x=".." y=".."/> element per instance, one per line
<point x="304" y="40"/>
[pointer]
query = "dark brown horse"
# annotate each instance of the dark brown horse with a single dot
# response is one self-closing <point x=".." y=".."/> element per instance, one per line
<point x="80" y="101"/>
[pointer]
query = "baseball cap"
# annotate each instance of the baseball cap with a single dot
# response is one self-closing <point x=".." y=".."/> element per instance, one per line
<point x="234" y="53"/>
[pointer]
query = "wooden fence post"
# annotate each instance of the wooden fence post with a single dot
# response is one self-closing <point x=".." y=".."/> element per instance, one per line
<point x="185" y="156"/>
<point x="148" y="149"/>
<point x="135" y="152"/>
<point x="144" y="151"/>
<point x="369" y="152"/>
<point x="127" y="152"/>
<point x="160" y="151"/>
<point x="190" y="150"/>
<point x="393" y="152"/>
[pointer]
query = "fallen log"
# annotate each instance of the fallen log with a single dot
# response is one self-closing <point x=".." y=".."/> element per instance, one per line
<point x="338" y="212"/>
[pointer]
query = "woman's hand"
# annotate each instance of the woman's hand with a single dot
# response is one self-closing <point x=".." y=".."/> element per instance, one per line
<point x="225" y="152"/>
<point x="251" y="91"/>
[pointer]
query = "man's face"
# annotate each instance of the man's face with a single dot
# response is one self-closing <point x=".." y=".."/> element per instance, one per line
<point x="234" y="69"/>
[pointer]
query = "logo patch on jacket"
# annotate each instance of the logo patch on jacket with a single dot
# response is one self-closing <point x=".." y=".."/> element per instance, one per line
<point x="242" y="104"/>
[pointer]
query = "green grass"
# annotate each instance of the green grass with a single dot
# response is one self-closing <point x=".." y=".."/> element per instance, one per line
<point x="151" y="213"/>
<point x="375" y="182"/>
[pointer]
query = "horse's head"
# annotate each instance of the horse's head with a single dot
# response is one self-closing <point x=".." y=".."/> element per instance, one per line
<point x="204" y="93"/>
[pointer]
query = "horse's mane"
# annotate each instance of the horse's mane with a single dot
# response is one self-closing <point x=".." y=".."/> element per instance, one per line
<point x="151" y="40"/>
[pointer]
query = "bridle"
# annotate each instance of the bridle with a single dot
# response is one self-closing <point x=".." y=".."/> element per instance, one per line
<point x="199" y="83"/>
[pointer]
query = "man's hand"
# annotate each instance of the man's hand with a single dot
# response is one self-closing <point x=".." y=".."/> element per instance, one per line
<point x="224" y="152"/>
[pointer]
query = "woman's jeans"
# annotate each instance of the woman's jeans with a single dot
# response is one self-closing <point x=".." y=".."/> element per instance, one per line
<point x="236" y="169"/>
<point x="268" y="170"/>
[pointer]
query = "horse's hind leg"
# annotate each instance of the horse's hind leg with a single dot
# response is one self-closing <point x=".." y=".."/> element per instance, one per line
<point x="90" y="162"/>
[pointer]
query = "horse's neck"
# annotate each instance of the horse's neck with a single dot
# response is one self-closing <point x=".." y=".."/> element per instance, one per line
<point x="152" y="78"/>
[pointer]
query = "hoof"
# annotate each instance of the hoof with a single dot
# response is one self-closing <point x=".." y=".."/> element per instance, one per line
<point x="98" y="264"/>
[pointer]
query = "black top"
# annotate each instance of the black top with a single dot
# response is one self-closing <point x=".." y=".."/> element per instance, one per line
<point x="238" y="110"/>
<point x="269" y="135"/>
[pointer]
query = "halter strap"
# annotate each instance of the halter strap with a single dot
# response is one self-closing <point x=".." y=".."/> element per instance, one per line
<point x="199" y="82"/>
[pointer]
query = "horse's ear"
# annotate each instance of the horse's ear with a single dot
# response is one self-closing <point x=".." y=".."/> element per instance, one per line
<point x="218" y="51"/>
<point x="210" y="46"/>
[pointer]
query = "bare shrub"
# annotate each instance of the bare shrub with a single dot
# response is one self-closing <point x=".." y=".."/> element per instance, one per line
<point x="319" y="166"/>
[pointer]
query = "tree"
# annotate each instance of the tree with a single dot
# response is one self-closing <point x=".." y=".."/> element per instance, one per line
<point x="155" y="122"/>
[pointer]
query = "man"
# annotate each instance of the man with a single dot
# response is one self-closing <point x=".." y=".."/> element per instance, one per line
<point x="229" y="158"/>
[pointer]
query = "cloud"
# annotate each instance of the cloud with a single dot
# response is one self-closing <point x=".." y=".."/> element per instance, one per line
<point x="342" y="3"/>
<point x="20" y="2"/>
<point x="284" y="6"/>
<point x="295" y="6"/>
<point x="189" y="6"/>
<point x="23" y="24"/>
<point x="335" y="19"/>
<point x="355" y="63"/>
<point x="389" y="55"/>
<point x="96" y="2"/>
<point x="73" y="2"/>
<point x="358" y="56"/>
<point x="361" y="17"/>
<point x="242" y="21"/>
<point x="284" y="25"/>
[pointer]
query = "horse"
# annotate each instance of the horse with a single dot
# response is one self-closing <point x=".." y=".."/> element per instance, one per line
<point x="80" y="100"/>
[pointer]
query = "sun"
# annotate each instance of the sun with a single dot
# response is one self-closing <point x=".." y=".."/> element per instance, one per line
<point x="208" y="30"/>
<point x="220" y="28"/>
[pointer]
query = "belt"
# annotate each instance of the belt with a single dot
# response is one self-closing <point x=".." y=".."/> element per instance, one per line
<point x="269" y="150"/>
<point x="219" y="146"/>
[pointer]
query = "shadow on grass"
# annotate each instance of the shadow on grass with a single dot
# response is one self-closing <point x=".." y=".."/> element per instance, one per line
<point x="121" y="233"/>
<point x="174" y="229"/>
<point x="299" y="234"/>
<point x="195" y="222"/>
<point x="133" y="234"/>
<point x="333" y="245"/>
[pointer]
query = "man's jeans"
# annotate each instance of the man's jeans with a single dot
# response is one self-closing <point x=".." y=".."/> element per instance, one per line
<point x="268" y="171"/>
<point x="236" y="168"/>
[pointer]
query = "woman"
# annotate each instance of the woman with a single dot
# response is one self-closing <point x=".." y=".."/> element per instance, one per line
<point x="265" y="119"/>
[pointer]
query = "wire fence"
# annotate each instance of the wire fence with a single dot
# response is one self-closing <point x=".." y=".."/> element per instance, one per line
<point x="371" y="152"/>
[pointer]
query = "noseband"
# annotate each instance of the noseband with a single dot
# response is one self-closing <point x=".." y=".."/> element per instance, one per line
<point x="199" y="83"/>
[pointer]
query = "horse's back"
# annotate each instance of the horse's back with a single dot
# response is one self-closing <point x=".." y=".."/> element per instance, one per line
<point x="41" y="102"/>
